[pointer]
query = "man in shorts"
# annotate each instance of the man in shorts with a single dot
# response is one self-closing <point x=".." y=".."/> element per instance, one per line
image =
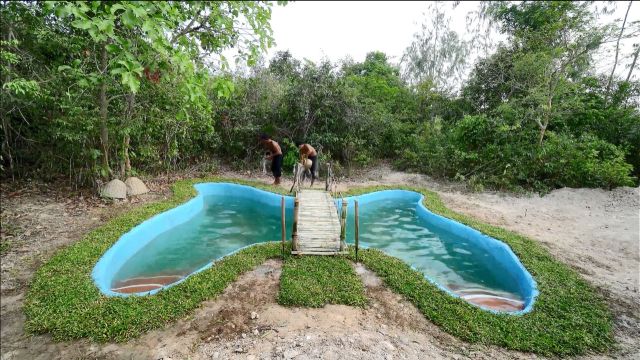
<point x="275" y="155"/>
<point x="308" y="152"/>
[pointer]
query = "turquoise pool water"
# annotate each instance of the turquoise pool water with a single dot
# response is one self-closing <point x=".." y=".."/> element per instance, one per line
<point x="395" y="226"/>
<point x="224" y="218"/>
<point x="225" y="223"/>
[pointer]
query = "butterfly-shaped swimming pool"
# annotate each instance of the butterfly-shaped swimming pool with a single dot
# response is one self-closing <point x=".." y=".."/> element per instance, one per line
<point x="225" y="218"/>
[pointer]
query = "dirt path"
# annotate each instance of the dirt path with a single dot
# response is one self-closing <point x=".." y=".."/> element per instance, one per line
<point x="594" y="231"/>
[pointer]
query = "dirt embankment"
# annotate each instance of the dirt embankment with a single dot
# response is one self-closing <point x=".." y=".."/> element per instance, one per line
<point x="592" y="230"/>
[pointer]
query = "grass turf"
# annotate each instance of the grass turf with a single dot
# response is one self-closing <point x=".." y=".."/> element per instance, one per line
<point x="569" y="317"/>
<point x="314" y="281"/>
<point x="63" y="300"/>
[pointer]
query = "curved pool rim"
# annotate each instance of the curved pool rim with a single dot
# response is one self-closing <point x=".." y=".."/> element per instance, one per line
<point x="527" y="281"/>
<point x="150" y="228"/>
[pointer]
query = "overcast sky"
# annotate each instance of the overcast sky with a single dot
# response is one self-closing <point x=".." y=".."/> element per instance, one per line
<point x="335" y="30"/>
<point x="317" y="29"/>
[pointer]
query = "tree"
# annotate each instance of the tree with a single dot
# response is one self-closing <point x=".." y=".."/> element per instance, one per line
<point x="553" y="43"/>
<point x="437" y="55"/>
<point x="633" y="62"/>
<point x="174" y="38"/>
<point x="615" y="61"/>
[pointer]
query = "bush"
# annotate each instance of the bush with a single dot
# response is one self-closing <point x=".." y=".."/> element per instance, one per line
<point x="503" y="154"/>
<point x="289" y="160"/>
<point x="588" y="161"/>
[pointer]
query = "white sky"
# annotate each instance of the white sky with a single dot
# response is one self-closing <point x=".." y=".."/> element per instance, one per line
<point x="316" y="30"/>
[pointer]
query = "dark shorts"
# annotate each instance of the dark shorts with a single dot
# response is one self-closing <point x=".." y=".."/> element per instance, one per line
<point x="276" y="165"/>
<point x="314" y="165"/>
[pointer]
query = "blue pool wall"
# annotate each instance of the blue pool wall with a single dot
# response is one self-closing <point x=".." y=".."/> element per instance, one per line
<point x="138" y="237"/>
<point x="501" y="251"/>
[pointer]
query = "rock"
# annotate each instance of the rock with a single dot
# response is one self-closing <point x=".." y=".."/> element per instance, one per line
<point x="244" y="335"/>
<point x="389" y="346"/>
<point x="256" y="332"/>
<point x="240" y="350"/>
<point x="290" y="354"/>
<point x="254" y="315"/>
<point x="114" y="189"/>
<point x="135" y="186"/>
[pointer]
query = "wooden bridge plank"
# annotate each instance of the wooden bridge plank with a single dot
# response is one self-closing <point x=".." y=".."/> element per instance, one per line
<point x="318" y="227"/>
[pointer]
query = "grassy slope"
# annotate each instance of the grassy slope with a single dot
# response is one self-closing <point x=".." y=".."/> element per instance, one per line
<point x="64" y="301"/>
<point x="568" y="318"/>
<point x="314" y="281"/>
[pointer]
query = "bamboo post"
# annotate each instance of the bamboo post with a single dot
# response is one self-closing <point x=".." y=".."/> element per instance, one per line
<point x="357" y="226"/>
<point x="284" y="229"/>
<point x="343" y="224"/>
<point x="295" y="177"/>
<point x="328" y="175"/>
<point x="294" y="232"/>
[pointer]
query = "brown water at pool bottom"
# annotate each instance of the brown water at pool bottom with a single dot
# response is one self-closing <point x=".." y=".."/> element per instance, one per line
<point x="480" y="297"/>
<point x="488" y="299"/>
<point x="144" y="284"/>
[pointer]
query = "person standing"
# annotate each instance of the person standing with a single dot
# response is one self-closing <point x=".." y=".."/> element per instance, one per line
<point x="275" y="156"/>
<point x="308" y="152"/>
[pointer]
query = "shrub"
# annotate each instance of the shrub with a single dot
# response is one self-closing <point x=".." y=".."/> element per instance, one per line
<point x="587" y="161"/>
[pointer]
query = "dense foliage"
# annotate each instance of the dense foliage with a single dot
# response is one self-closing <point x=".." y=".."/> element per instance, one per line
<point x="92" y="86"/>
<point x="96" y="90"/>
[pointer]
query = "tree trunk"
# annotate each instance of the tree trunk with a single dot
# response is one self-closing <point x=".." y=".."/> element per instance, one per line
<point x="131" y="98"/>
<point x="615" y="61"/>
<point x="633" y="63"/>
<point x="127" y="161"/>
<point x="543" y="129"/>
<point x="5" y="148"/>
<point x="545" y="120"/>
<point x="104" y="104"/>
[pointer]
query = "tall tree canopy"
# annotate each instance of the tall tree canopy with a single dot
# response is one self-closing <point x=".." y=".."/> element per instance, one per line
<point x="105" y="52"/>
<point x="437" y="55"/>
<point x="94" y="90"/>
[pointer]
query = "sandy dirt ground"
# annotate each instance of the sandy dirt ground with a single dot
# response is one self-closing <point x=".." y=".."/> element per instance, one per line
<point x="594" y="231"/>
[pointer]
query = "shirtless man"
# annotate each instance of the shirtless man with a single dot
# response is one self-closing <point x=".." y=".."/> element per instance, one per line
<point x="275" y="156"/>
<point x="307" y="151"/>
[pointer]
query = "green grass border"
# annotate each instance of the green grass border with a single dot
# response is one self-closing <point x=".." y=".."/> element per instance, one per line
<point x="64" y="301"/>
<point x="314" y="281"/>
<point x="569" y="316"/>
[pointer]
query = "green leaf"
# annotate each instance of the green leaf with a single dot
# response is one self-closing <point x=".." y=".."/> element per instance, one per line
<point x="83" y="24"/>
<point x="60" y="11"/>
<point x="113" y="48"/>
<point x="117" y="7"/>
<point x="119" y="70"/>
<point x="139" y="11"/>
<point x="106" y="26"/>
<point x="131" y="81"/>
<point x="128" y="18"/>
<point x="126" y="64"/>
